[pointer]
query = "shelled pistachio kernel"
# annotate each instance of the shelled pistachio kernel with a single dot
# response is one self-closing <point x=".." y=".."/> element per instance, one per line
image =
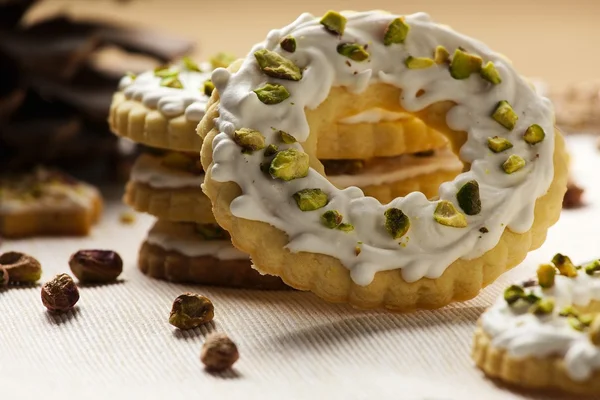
<point x="499" y="144"/>
<point x="249" y="139"/>
<point x="310" y="199"/>
<point x="221" y="60"/>
<point x="565" y="265"/>
<point x="446" y="214"/>
<point x="346" y="227"/>
<point x="165" y="71"/>
<point x="289" y="164"/>
<point x="332" y="219"/>
<point x="271" y="150"/>
<point x="569" y="311"/>
<point x="513" y="293"/>
<point x="208" y="87"/>
<point x="396" y="32"/>
<point x="543" y="307"/>
<point x="592" y="267"/>
<point x="490" y="73"/>
<point x="418" y="62"/>
<point x="545" y="275"/>
<point x="534" y="134"/>
<point x="272" y="93"/>
<point x="191" y="310"/>
<point x="171" y="82"/>
<point x="287" y="138"/>
<point x="60" y="294"/>
<point x="396" y="222"/>
<point x="531" y="298"/>
<point x="334" y="22"/>
<point x="21" y="268"/>
<point x="277" y="66"/>
<point x="288" y="44"/>
<point x="441" y="55"/>
<point x="505" y="115"/>
<point x="190" y="64"/>
<point x="468" y="198"/>
<point x="464" y="64"/>
<point x="353" y="51"/>
<point x="513" y="164"/>
<point x="595" y="330"/>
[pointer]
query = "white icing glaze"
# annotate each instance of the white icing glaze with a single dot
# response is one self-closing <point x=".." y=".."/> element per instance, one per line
<point x="395" y="169"/>
<point x="523" y="334"/>
<point x="148" y="169"/>
<point x="171" y="102"/>
<point x="374" y="115"/>
<point x="507" y="200"/>
<point x="182" y="239"/>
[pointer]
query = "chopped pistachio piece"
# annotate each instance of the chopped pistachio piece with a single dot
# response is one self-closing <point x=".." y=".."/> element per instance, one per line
<point x="221" y="60"/>
<point x="353" y="51"/>
<point x="287" y="138"/>
<point x="505" y="115"/>
<point x="531" y="298"/>
<point x="289" y="164"/>
<point x="499" y="144"/>
<point x="534" y="134"/>
<point x="565" y="265"/>
<point x="418" y="62"/>
<point x="446" y="214"/>
<point x="546" y="274"/>
<point x="513" y="164"/>
<point x="543" y="307"/>
<point x="396" y="32"/>
<point x="311" y="199"/>
<point x="592" y="267"/>
<point x="208" y="87"/>
<point x="468" y="198"/>
<point x="576" y="324"/>
<point x="165" y="71"/>
<point x="190" y="64"/>
<point x="345" y="227"/>
<point x="334" y="22"/>
<point x="272" y="93"/>
<point x="331" y="219"/>
<point x="595" y="330"/>
<point x="441" y="55"/>
<point x="396" y="222"/>
<point x="249" y="139"/>
<point x="357" y="249"/>
<point x="288" y="44"/>
<point x="490" y="73"/>
<point x="464" y="64"/>
<point x="586" y="319"/>
<point x="275" y="65"/>
<point x="513" y="293"/>
<point x="569" y="311"/>
<point x="131" y="75"/>
<point x="172" y="82"/>
<point x="271" y="150"/>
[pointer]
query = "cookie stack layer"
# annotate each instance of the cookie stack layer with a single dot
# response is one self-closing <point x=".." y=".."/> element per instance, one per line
<point x="161" y="109"/>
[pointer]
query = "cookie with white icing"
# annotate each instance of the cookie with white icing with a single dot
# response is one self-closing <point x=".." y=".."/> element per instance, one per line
<point x="273" y="198"/>
<point x="202" y="254"/>
<point x="545" y="333"/>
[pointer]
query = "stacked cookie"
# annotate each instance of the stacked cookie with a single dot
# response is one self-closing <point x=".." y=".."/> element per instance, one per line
<point x="161" y="109"/>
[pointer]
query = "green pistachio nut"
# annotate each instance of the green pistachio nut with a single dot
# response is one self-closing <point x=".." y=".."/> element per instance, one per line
<point x="289" y="164"/>
<point x="565" y="265"/>
<point x="490" y="73"/>
<point x="287" y="138"/>
<point x="499" y="144"/>
<point x="396" y="222"/>
<point x="513" y="293"/>
<point x="569" y="311"/>
<point x="576" y="324"/>
<point x="446" y="214"/>
<point x="311" y="199"/>
<point x="131" y="75"/>
<point x="249" y="139"/>
<point x="505" y="115"/>
<point x="468" y="198"/>
<point x="531" y="298"/>
<point x="334" y="22"/>
<point x="396" y="32"/>
<point x="345" y="227"/>
<point x="464" y="64"/>
<point x="288" y="44"/>
<point x="221" y="60"/>
<point x="272" y="93"/>
<point x="171" y="82"/>
<point x="543" y="307"/>
<point x="353" y="51"/>
<point x="441" y="55"/>
<point x="513" y="164"/>
<point x="332" y="219"/>
<point x="21" y="267"/>
<point x="191" y="310"/>
<point x="165" y="71"/>
<point x="592" y="267"/>
<point x="277" y="66"/>
<point x="534" y="134"/>
<point x="271" y="150"/>
<point x="545" y="275"/>
<point x="418" y="62"/>
<point x="190" y="64"/>
<point x="208" y="88"/>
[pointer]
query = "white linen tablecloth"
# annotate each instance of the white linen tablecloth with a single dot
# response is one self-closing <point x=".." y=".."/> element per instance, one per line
<point x="118" y="344"/>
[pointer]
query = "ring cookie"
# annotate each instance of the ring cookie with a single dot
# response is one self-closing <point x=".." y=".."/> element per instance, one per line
<point x="270" y="193"/>
<point x="545" y="333"/>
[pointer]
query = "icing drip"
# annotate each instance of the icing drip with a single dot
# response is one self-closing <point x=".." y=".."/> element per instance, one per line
<point x="373" y="116"/>
<point x="524" y="334"/>
<point x="148" y="169"/>
<point x="507" y="200"/>
<point x="171" y="102"/>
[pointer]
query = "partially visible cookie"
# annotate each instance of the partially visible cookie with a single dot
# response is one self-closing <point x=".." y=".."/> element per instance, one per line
<point x="47" y="202"/>
<point x="202" y="254"/>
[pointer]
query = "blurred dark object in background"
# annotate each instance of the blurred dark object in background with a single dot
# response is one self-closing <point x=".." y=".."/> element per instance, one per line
<point x="57" y="77"/>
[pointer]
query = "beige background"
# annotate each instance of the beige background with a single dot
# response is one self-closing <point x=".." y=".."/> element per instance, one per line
<point x="552" y="39"/>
